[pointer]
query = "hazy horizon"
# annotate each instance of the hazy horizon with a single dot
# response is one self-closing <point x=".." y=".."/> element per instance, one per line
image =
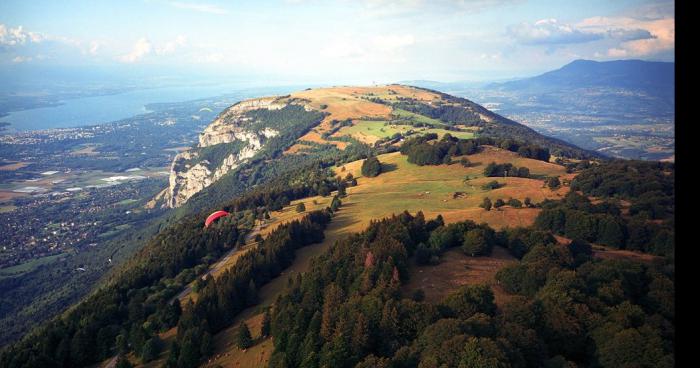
<point x="306" y="41"/>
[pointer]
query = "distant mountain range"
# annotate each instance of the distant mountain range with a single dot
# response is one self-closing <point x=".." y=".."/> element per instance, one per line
<point x="656" y="78"/>
<point x="623" y="108"/>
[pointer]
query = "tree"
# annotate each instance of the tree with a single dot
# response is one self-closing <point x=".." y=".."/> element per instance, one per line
<point x="123" y="342"/>
<point x="493" y="184"/>
<point x="265" y="326"/>
<point x="483" y="353"/>
<point x="553" y="183"/>
<point x="515" y="203"/>
<point x="527" y="202"/>
<point x="611" y="231"/>
<point x="469" y="300"/>
<point x="486" y="204"/>
<point x="524" y="172"/>
<point x="499" y="203"/>
<point x="243" y="337"/>
<point x="465" y="162"/>
<point x="301" y="207"/>
<point x="371" y="167"/>
<point x="123" y="362"/>
<point x="580" y="250"/>
<point x="477" y="242"/>
<point x="151" y="349"/>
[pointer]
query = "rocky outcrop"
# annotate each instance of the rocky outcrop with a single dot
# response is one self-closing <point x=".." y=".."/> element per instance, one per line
<point x="189" y="173"/>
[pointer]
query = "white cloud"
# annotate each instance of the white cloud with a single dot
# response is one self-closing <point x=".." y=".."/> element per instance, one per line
<point x="141" y="48"/>
<point x="94" y="47"/>
<point x="171" y="46"/>
<point x="661" y="34"/>
<point x="21" y="59"/>
<point x="550" y="32"/>
<point x="17" y="36"/>
<point x="383" y="49"/>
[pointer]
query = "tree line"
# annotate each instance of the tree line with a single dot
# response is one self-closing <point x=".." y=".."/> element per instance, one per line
<point x="426" y="150"/>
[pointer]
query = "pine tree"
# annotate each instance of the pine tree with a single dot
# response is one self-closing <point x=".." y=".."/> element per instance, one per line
<point x="486" y="204"/>
<point x="265" y="326"/>
<point x="243" y="337"/>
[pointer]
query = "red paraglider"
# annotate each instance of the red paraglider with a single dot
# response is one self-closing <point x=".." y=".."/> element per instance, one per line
<point x="214" y="216"/>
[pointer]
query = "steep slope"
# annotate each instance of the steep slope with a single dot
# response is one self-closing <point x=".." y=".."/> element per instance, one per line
<point x="234" y="137"/>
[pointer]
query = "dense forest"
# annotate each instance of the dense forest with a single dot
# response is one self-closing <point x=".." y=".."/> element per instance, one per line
<point x="570" y="309"/>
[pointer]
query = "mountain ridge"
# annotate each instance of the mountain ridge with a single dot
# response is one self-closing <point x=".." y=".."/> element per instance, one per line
<point x="244" y="122"/>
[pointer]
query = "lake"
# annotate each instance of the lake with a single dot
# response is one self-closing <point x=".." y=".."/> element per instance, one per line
<point x="101" y="109"/>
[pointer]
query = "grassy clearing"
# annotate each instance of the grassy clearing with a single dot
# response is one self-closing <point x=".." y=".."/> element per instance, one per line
<point x="431" y="189"/>
<point x="605" y="252"/>
<point x="455" y="270"/>
<point x="370" y="131"/>
<point x="416" y="117"/>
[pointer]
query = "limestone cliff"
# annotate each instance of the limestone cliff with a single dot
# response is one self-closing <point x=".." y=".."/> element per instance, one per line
<point x="194" y="170"/>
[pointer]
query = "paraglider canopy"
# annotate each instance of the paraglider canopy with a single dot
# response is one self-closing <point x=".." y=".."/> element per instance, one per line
<point x="214" y="216"/>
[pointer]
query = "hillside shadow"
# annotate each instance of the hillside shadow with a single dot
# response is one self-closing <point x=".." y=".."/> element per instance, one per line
<point x="388" y="167"/>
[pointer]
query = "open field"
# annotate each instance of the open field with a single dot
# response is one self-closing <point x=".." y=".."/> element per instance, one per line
<point x="370" y="131"/>
<point x="455" y="270"/>
<point x="351" y="103"/>
<point x="88" y="149"/>
<point x="431" y="189"/>
<point x="60" y="181"/>
<point x="13" y="166"/>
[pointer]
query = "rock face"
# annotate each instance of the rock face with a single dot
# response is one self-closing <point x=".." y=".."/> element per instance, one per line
<point x="189" y="173"/>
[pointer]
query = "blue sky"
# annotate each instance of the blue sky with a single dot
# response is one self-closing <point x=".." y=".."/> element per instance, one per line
<point x="343" y="41"/>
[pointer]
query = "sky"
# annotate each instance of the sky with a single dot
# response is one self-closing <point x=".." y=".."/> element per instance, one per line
<point x="332" y="41"/>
